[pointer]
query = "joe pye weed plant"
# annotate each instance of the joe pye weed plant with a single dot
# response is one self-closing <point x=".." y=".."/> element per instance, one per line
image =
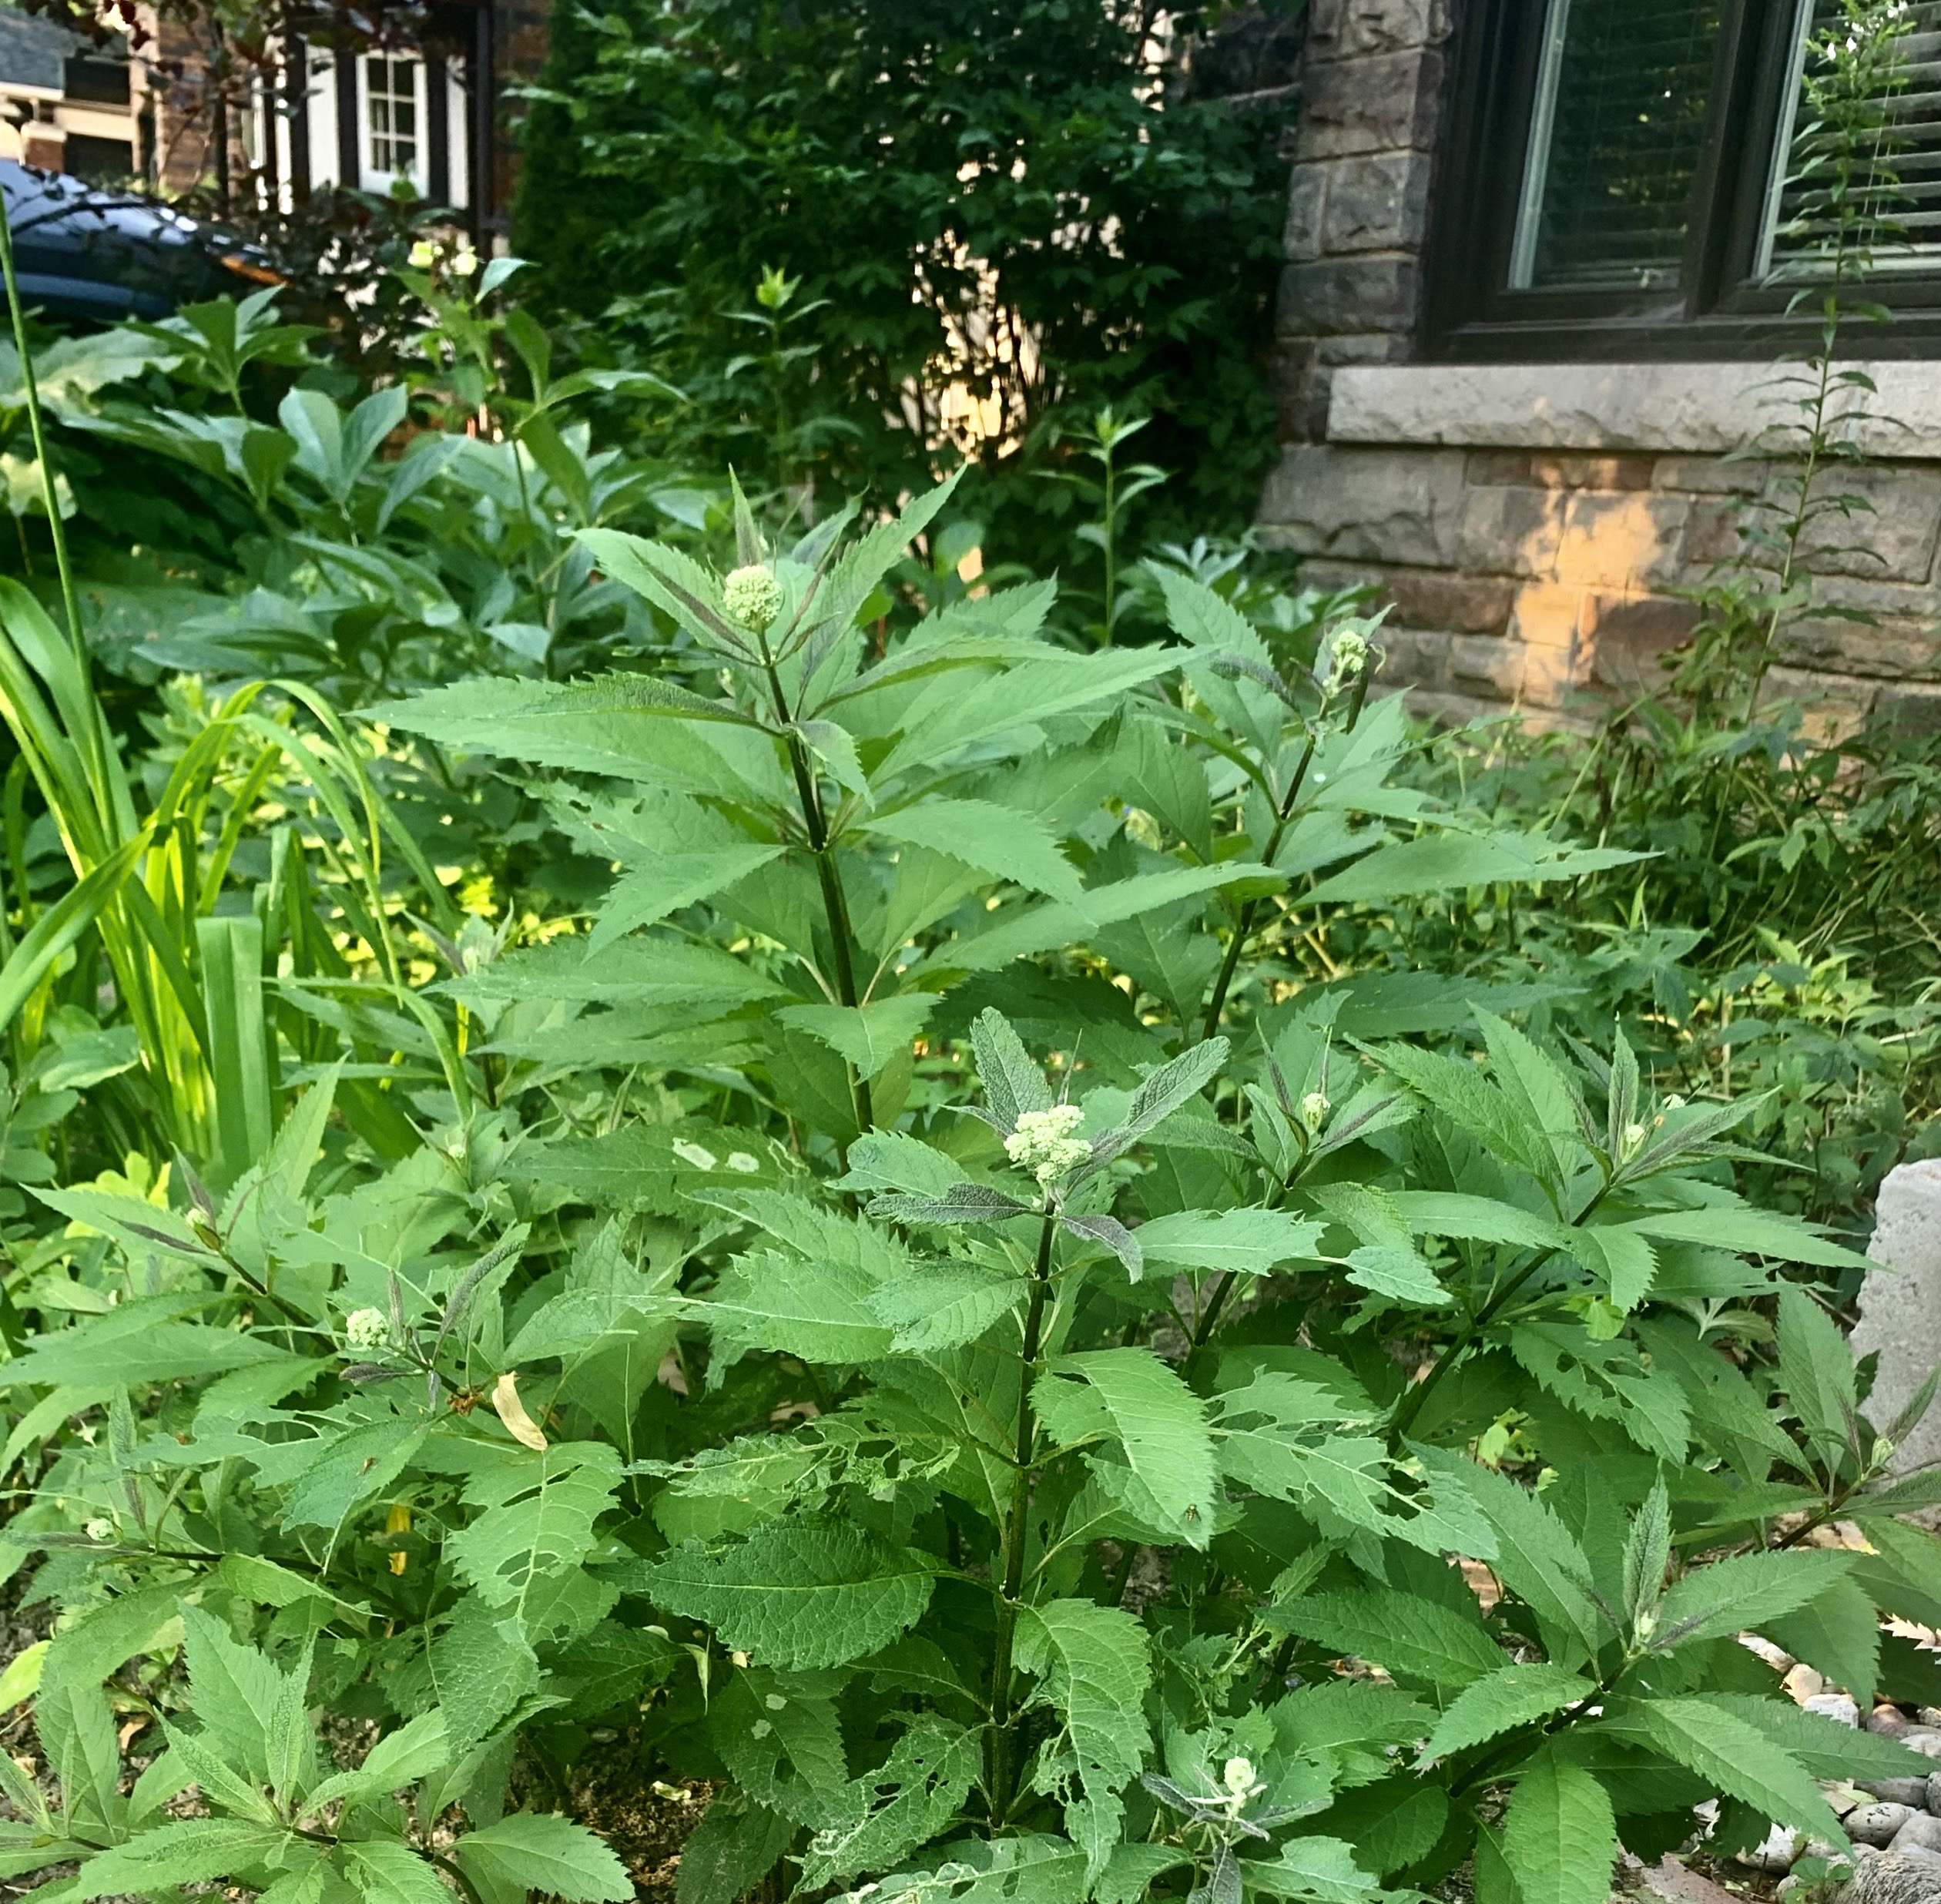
<point x="915" y="1316"/>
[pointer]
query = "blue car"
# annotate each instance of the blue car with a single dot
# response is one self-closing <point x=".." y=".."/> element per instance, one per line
<point x="88" y="255"/>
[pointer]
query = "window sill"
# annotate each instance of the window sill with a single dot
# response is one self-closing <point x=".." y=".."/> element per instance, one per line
<point x="1701" y="409"/>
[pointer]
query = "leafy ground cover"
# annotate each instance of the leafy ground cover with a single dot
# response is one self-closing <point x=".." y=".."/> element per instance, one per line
<point x="653" y="1149"/>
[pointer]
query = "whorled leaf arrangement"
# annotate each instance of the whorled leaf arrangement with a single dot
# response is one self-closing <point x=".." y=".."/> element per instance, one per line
<point x="915" y="1318"/>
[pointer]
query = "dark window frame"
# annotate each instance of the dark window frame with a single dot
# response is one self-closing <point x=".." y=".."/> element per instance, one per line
<point x="1716" y="312"/>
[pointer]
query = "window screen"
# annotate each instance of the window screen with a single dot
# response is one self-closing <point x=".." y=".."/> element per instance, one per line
<point x="1857" y="179"/>
<point x="1615" y="144"/>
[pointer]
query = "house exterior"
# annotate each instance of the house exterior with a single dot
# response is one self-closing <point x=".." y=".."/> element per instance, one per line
<point x="423" y="114"/>
<point x="1539" y="258"/>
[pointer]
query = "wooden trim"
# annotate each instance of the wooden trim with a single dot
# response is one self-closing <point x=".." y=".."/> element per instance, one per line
<point x="1717" y="311"/>
<point x="350" y="151"/>
<point x="437" y="130"/>
<point x="481" y="95"/>
<point x="297" y="92"/>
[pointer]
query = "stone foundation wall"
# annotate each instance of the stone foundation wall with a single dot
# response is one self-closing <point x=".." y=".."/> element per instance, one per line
<point x="1531" y="528"/>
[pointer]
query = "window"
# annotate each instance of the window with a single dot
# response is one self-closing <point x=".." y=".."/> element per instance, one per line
<point x="95" y="79"/>
<point x="98" y="161"/>
<point x="391" y="118"/>
<point x="1621" y="178"/>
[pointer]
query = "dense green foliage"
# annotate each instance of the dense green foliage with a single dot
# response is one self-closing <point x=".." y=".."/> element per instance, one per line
<point x="909" y="1306"/>
<point x="1015" y="210"/>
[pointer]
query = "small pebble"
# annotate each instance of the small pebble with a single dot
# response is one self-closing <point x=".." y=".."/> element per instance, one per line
<point x="1804" y="1682"/>
<point x="1876" y="1823"/>
<point x="1779" y="1852"/>
<point x="1836" y="1706"/>
<point x="1889" y="1721"/>
<point x="1931" y="1715"/>
<point x="1934" y="1792"/>
<point x="1924" y="1740"/>
<point x="1922" y="1831"/>
<point x="1911" y="1792"/>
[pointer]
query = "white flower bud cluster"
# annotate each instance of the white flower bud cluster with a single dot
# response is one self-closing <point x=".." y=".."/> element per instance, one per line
<point x="1348" y="655"/>
<point x="366" y="1329"/>
<point x="1044" y="1144"/>
<point x="425" y="256"/>
<point x="99" y="1530"/>
<point x="1314" y="1111"/>
<point x="753" y="597"/>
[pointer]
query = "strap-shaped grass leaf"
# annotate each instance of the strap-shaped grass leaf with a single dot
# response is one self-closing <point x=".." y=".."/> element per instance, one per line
<point x="1158" y="1421"/>
<point x="1510" y="1697"/>
<point x="998" y="840"/>
<point x="1560" y="1838"/>
<point x="1736" y="1758"/>
<point x="797" y="1594"/>
<point x="1414" y="1638"/>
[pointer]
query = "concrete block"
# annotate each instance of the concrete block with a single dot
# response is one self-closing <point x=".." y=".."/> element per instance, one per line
<point x="1377" y="203"/>
<point x="1900" y="1302"/>
<point x="1376" y="505"/>
<point x="1385" y="103"/>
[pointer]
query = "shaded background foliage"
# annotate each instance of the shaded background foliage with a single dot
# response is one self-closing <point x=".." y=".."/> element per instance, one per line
<point x="1033" y="209"/>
